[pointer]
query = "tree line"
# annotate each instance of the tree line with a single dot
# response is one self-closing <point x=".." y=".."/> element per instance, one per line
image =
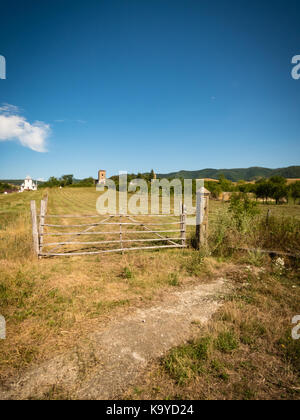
<point x="67" y="181"/>
<point x="6" y="187"/>
<point x="274" y="188"/>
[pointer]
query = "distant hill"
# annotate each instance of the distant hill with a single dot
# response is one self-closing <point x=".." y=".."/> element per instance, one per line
<point x="246" y="174"/>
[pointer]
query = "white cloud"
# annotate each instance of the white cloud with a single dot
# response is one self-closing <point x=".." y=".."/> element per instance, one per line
<point x="8" y="108"/>
<point x="13" y="126"/>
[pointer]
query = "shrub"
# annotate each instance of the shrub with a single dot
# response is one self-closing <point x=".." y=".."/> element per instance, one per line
<point x="243" y="226"/>
<point x="243" y="210"/>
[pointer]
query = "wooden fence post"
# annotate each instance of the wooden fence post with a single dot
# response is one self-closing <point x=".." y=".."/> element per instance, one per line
<point x="201" y="217"/>
<point x="42" y="222"/>
<point x="183" y="224"/>
<point x="121" y="237"/>
<point x="35" y="234"/>
<point x="46" y="203"/>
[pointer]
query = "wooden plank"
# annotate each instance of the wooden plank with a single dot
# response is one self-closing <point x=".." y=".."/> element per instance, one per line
<point x="110" y="242"/>
<point x="111" y="250"/>
<point x="114" y="223"/>
<point x="62" y="216"/>
<point x="111" y="233"/>
<point x="35" y="235"/>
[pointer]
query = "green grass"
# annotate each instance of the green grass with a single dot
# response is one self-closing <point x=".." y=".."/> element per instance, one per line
<point x="185" y="362"/>
<point x="173" y="279"/>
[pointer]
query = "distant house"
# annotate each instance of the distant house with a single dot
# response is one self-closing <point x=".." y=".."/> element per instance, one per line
<point x="28" y="185"/>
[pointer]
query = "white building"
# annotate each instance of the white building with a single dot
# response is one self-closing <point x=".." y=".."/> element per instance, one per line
<point x="28" y="185"/>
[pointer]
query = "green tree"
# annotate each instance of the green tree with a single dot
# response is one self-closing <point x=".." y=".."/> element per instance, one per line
<point x="66" y="180"/>
<point x="214" y="188"/>
<point x="245" y="187"/>
<point x="225" y="184"/>
<point x="278" y="188"/>
<point x="86" y="182"/>
<point x="279" y="192"/>
<point x="278" y="180"/>
<point x="52" y="182"/>
<point x="295" y="191"/>
<point x="263" y="189"/>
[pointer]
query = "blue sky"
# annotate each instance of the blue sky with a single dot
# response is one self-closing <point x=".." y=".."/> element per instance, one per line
<point x="140" y="84"/>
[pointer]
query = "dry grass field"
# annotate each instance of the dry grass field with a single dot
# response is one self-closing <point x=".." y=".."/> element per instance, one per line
<point x="51" y="303"/>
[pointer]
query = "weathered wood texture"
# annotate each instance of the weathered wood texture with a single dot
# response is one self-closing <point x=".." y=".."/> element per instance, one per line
<point x="160" y="235"/>
<point x="35" y="234"/>
<point x="202" y="207"/>
<point x="108" y="232"/>
<point x="42" y="221"/>
<point x="110" y="250"/>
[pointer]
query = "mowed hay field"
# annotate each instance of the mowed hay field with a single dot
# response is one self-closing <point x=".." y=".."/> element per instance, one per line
<point x="50" y="303"/>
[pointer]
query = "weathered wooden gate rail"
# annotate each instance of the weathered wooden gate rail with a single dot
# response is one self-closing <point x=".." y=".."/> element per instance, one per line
<point x="39" y="232"/>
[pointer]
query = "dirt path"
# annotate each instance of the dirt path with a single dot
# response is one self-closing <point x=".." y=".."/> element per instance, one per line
<point x="110" y="361"/>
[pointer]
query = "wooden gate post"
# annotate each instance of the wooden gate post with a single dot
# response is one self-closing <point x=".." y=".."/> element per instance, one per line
<point x="46" y="202"/>
<point x="42" y="222"/>
<point x="121" y="236"/>
<point x="202" y="203"/>
<point x="35" y="235"/>
<point x="183" y="224"/>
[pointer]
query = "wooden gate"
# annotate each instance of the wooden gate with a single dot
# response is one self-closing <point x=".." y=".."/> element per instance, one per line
<point x="109" y="233"/>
